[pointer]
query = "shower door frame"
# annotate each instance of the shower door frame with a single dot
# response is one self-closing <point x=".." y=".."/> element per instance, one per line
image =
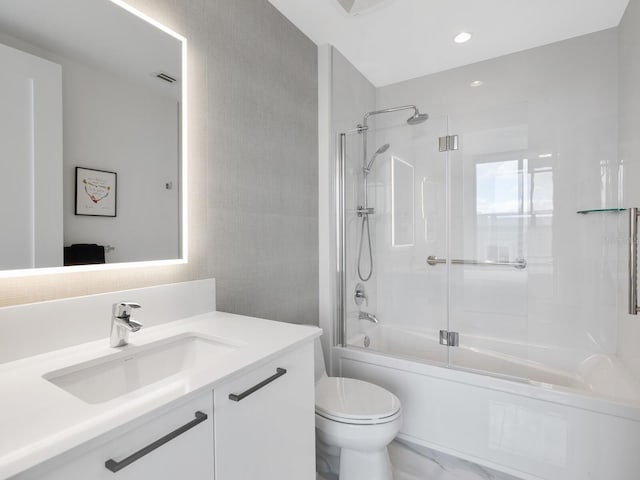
<point x="340" y="326"/>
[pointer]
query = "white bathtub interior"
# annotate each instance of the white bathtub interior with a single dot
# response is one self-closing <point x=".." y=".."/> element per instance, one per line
<point x="581" y="372"/>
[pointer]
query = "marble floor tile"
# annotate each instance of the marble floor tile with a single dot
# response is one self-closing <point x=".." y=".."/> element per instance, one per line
<point x="413" y="462"/>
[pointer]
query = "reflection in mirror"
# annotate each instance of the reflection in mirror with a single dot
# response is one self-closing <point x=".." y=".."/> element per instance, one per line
<point x="88" y="84"/>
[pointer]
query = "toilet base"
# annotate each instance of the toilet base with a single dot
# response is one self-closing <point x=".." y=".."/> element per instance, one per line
<point x="327" y="459"/>
<point x="355" y="465"/>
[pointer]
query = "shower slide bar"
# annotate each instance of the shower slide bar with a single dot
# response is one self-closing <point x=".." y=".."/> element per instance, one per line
<point x="519" y="263"/>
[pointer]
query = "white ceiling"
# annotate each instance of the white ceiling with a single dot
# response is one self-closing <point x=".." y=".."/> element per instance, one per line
<point x="97" y="33"/>
<point x="405" y="39"/>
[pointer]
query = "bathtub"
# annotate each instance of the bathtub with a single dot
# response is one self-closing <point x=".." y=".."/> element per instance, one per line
<point x="540" y="414"/>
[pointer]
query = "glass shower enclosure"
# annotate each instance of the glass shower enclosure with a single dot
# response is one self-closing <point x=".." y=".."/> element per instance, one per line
<point x="436" y="222"/>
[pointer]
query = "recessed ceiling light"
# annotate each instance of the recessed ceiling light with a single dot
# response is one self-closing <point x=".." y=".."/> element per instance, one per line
<point x="545" y="155"/>
<point x="476" y="83"/>
<point x="462" y="37"/>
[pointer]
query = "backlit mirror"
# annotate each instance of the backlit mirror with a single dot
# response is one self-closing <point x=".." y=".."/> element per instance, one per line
<point x="91" y="151"/>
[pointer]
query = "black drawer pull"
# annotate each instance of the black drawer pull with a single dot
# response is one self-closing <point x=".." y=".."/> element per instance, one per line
<point x="114" y="466"/>
<point x="237" y="397"/>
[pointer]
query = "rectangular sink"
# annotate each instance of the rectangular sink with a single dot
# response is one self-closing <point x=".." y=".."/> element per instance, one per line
<point x="133" y="368"/>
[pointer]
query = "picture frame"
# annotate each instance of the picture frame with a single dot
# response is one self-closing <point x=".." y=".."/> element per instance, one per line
<point x="96" y="192"/>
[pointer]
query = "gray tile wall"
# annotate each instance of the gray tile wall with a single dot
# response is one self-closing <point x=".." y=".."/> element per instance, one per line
<point x="263" y="163"/>
<point x="253" y="139"/>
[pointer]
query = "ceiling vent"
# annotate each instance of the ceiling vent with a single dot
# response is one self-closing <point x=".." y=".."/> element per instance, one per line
<point x="360" y="7"/>
<point x="166" y="77"/>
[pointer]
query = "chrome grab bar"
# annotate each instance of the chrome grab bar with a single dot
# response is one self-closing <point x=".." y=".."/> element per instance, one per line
<point x="519" y="263"/>
<point x="633" y="261"/>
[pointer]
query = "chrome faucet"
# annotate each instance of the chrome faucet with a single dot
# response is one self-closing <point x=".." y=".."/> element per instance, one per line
<point x="122" y="323"/>
<point x="367" y="316"/>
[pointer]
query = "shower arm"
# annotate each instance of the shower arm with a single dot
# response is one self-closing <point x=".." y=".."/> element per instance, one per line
<point x="364" y="125"/>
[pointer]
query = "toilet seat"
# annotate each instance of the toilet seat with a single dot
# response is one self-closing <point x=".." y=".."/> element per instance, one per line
<point x="351" y="401"/>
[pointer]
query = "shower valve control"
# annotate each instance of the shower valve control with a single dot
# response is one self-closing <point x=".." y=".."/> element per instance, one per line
<point x="449" y="339"/>
<point x="360" y="295"/>
<point x="361" y="211"/>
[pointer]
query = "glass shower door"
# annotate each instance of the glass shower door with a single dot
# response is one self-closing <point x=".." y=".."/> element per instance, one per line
<point x="495" y="209"/>
<point x="407" y="190"/>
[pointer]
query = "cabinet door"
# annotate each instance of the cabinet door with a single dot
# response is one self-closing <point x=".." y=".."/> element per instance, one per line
<point x="187" y="456"/>
<point x="270" y="433"/>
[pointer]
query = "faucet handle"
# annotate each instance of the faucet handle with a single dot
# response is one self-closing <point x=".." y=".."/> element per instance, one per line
<point x="123" y="309"/>
<point x="130" y="304"/>
<point x="360" y="296"/>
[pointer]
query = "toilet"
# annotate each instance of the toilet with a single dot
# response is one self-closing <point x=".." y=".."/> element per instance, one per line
<point x="355" y="421"/>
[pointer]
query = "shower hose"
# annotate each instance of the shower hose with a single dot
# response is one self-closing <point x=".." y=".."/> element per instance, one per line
<point x="365" y="221"/>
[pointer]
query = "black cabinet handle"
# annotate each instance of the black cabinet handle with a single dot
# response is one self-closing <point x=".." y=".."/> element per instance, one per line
<point x="114" y="466"/>
<point x="237" y="397"/>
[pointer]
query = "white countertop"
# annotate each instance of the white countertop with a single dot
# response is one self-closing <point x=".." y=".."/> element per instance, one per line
<point x="39" y="420"/>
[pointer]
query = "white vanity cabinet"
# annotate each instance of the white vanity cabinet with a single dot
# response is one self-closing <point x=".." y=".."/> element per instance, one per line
<point x="265" y="422"/>
<point x="187" y="454"/>
<point x="258" y="424"/>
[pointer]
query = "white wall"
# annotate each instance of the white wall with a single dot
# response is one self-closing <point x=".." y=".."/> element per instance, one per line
<point x="31" y="161"/>
<point x="557" y="107"/>
<point x="630" y="158"/>
<point x="115" y="125"/>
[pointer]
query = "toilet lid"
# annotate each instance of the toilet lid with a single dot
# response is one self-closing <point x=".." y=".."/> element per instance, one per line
<point x="351" y="401"/>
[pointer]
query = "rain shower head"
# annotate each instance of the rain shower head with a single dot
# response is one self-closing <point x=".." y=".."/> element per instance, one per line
<point x="414" y="119"/>
<point x="417" y="118"/>
<point x="380" y="151"/>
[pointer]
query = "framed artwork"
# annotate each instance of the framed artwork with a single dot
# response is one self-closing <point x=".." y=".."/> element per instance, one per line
<point x="95" y="192"/>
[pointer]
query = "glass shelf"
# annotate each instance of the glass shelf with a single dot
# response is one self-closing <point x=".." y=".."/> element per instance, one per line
<point x="602" y="210"/>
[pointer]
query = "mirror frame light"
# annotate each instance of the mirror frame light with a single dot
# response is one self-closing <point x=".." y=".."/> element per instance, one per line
<point x="183" y="197"/>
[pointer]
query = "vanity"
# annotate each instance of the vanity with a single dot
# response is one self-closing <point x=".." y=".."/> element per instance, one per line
<point x="211" y="396"/>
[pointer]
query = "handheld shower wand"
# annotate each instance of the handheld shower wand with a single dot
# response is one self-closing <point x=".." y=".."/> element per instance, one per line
<point x="380" y="151"/>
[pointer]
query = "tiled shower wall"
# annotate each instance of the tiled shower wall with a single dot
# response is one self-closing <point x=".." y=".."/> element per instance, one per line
<point x="629" y="37"/>
<point x="555" y="108"/>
